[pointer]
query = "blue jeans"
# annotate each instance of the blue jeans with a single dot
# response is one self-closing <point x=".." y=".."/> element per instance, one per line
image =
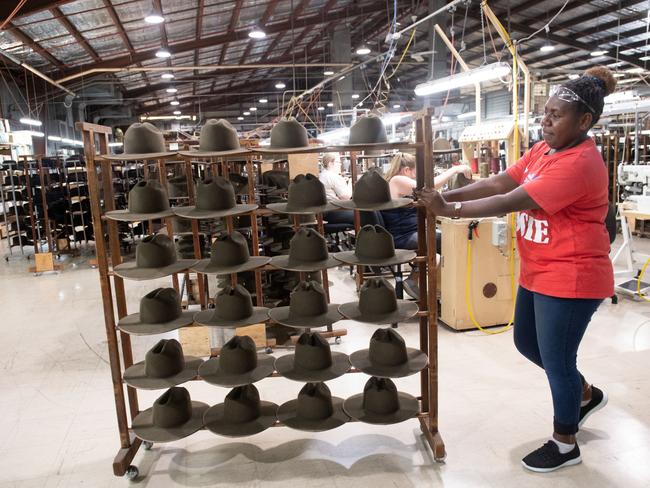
<point x="548" y="331"/>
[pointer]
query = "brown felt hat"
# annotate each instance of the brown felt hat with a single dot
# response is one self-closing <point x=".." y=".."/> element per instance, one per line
<point x="233" y="308"/>
<point x="313" y="360"/>
<point x="141" y="141"/>
<point x="238" y="364"/>
<point x="371" y="193"/>
<point x="368" y="130"/>
<point x="375" y="246"/>
<point x="160" y="312"/>
<point x="241" y="414"/>
<point x="287" y="136"/>
<point x="315" y="410"/>
<point x="148" y="200"/>
<point x="306" y="196"/>
<point x="164" y="366"/>
<point x="218" y="138"/>
<point x="378" y="304"/>
<point x="381" y="403"/>
<point x="229" y="254"/>
<point x="307" y="252"/>
<point x="155" y="257"/>
<point x="173" y="416"/>
<point x="215" y="198"/>
<point x="307" y="308"/>
<point x="388" y="356"/>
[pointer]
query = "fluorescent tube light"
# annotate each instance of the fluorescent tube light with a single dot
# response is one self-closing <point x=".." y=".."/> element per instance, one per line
<point x="28" y="121"/>
<point x="54" y="138"/>
<point x="476" y="75"/>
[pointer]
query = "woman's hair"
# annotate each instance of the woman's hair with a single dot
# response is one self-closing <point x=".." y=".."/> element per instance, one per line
<point x="593" y="86"/>
<point x="328" y="158"/>
<point x="399" y="161"/>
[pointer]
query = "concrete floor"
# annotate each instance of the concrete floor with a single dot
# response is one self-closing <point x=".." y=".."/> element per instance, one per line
<point x="58" y="423"/>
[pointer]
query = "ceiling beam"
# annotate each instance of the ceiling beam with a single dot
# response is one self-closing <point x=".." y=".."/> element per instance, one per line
<point x="30" y="7"/>
<point x="199" y="29"/>
<point x="34" y="46"/>
<point x="215" y="40"/>
<point x="234" y="19"/>
<point x="75" y="33"/>
<point x="270" y="8"/>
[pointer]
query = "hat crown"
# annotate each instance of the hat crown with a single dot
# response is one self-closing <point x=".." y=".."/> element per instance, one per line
<point x="165" y="359"/>
<point x="313" y="352"/>
<point x="377" y="296"/>
<point x="368" y="129"/>
<point x="380" y="396"/>
<point x="374" y="242"/>
<point x="148" y="197"/>
<point x="387" y="348"/>
<point x="306" y="191"/>
<point x="233" y="303"/>
<point x="143" y="138"/>
<point x="371" y="189"/>
<point x="307" y="299"/>
<point x="155" y="251"/>
<point x="215" y="194"/>
<point x="238" y="355"/>
<point x="173" y="408"/>
<point x="314" y="402"/>
<point x="218" y="135"/>
<point x="242" y="404"/>
<point x="289" y="133"/>
<point x="160" y="305"/>
<point x="229" y="250"/>
<point x="306" y="246"/>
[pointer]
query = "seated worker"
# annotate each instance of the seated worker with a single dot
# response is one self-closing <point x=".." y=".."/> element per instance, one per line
<point x="402" y="223"/>
<point x="336" y="188"/>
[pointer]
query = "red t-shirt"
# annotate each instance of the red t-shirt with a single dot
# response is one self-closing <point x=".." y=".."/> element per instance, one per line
<point x="564" y="245"/>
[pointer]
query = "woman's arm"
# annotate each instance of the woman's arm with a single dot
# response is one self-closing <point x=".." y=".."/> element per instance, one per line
<point x="496" y="185"/>
<point x="442" y="179"/>
<point x="513" y="201"/>
<point x="401" y="186"/>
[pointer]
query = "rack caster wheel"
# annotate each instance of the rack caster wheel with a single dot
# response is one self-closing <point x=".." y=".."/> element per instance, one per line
<point x="132" y="473"/>
<point x="337" y="340"/>
<point x="268" y="350"/>
<point x="147" y="445"/>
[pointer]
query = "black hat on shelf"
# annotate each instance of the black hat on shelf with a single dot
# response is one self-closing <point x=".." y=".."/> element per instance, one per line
<point x="306" y="196"/>
<point x="307" y="252"/>
<point x="233" y="308"/>
<point x="164" y="366"/>
<point x="308" y="308"/>
<point x="288" y="136"/>
<point x="142" y="141"/>
<point x="313" y="360"/>
<point x="241" y="414"/>
<point x="155" y="257"/>
<point x="368" y="130"/>
<point x="378" y="304"/>
<point x="371" y="192"/>
<point x="218" y="138"/>
<point x="381" y="403"/>
<point x="388" y="356"/>
<point x="160" y="312"/>
<point x="215" y="198"/>
<point x="230" y="255"/>
<point x="315" y="410"/>
<point x="375" y="246"/>
<point x="148" y="200"/>
<point x="238" y="364"/>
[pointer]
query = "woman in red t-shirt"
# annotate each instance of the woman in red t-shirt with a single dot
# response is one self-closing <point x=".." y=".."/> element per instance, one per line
<point x="559" y="189"/>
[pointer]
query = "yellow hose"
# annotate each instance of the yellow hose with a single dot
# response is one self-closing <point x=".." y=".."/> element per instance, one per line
<point x="638" y="281"/>
<point x="468" y="276"/>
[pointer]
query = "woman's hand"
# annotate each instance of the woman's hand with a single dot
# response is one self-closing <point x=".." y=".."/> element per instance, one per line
<point x="465" y="170"/>
<point x="434" y="203"/>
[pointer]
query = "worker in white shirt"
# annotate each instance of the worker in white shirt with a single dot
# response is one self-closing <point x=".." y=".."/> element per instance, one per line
<point x="336" y="188"/>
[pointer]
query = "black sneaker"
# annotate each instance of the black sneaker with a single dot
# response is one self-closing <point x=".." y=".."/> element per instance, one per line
<point x="598" y="401"/>
<point x="548" y="458"/>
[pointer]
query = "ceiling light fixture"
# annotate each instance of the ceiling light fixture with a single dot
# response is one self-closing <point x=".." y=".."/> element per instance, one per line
<point x="598" y="52"/>
<point x="280" y="85"/>
<point x="320" y="108"/>
<point x="163" y="53"/>
<point x="342" y="78"/>
<point x="618" y="75"/>
<point x="484" y="73"/>
<point x="115" y="144"/>
<point x="363" y="50"/>
<point x="574" y="76"/>
<point x="54" y="138"/>
<point x="174" y="102"/>
<point x="253" y="109"/>
<point x="263" y="100"/>
<point x="547" y="48"/>
<point x="355" y="96"/>
<point x="328" y="72"/>
<point x="167" y="76"/>
<point x="256" y="33"/>
<point x="172" y="90"/>
<point x="240" y="118"/>
<point x="396" y="105"/>
<point x="28" y="121"/>
<point x="154" y="17"/>
<point x="247" y="113"/>
<point x="330" y="104"/>
<point x="177" y="112"/>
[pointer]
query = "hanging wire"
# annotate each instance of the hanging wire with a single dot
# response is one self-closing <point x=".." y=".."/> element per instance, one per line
<point x="545" y="26"/>
<point x="483" y="34"/>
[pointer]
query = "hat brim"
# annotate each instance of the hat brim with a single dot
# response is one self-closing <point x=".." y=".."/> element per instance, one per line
<point x="284" y="262"/>
<point x="132" y="324"/>
<point x="401" y="256"/>
<point x="288" y="415"/>
<point x="215" y="154"/>
<point x="135" y="375"/>
<point x="144" y="428"/>
<point x="416" y="362"/>
<point x="214" y="421"/>
<point x="288" y="150"/>
<point x="136" y="157"/>
<point x="131" y="271"/>
<point x="253" y="262"/>
<point x="127" y="216"/>
<point x="405" y="310"/>
<point x="206" y="317"/>
<point x="392" y="204"/>
<point x="281" y="208"/>
<point x="281" y="315"/>
<point x="192" y="212"/>
<point x="285" y="365"/>
<point x="408" y="408"/>
<point x="211" y="373"/>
